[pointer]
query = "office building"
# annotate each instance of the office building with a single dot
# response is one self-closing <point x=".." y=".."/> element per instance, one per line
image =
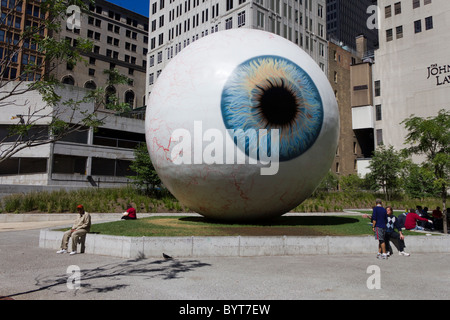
<point x="175" y="24"/>
<point x="15" y="17"/>
<point x="350" y="76"/>
<point x="340" y="61"/>
<point x="348" y="19"/>
<point x="84" y="158"/>
<point x="88" y="157"/>
<point x="411" y="70"/>
<point x="362" y="107"/>
<point x="120" y="39"/>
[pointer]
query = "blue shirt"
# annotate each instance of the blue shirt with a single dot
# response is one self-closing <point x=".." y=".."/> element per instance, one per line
<point x="379" y="214"/>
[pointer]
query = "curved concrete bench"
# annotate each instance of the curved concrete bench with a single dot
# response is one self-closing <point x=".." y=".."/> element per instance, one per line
<point x="184" y="247"/>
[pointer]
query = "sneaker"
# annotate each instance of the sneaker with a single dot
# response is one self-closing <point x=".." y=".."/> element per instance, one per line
<point x="403" y="253"/>
<point x="61" y="251"/>
<point x="384" y="256"/>
<point x="72" y="253"/>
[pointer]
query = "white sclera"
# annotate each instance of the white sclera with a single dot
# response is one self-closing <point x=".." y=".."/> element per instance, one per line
<point x="188" y="93"/>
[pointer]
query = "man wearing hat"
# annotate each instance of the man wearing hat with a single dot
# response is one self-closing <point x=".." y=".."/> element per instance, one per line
<point x="81" y="226"/>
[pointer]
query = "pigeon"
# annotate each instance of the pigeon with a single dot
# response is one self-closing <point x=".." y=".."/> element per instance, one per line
<point x="167" y="257"/>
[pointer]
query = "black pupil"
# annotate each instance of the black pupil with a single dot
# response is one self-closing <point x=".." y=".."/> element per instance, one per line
<point x="278" y="106"/>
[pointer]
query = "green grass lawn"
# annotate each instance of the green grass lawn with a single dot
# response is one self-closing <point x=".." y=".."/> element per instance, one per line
<point x="199" y="226"/>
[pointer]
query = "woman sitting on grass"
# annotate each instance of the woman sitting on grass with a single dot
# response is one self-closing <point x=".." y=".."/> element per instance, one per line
<point x="130" y="214"/>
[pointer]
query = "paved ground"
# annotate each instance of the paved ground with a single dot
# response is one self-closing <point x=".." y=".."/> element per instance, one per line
<point x="28" y="272"/>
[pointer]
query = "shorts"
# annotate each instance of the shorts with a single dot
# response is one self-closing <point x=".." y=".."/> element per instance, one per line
<point x="379" y="233"/>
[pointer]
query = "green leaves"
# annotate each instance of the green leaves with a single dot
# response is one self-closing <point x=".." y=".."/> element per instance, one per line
<point x="146" y="176"/>
<point x="384" y="168"/>
<point x="429" y="136"/>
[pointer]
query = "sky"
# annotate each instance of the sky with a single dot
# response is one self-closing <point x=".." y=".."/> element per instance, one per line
<point x="139" y="6"/>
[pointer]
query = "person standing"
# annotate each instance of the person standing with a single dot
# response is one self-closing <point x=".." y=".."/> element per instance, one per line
<point x="391" y="234"/>
<point x="80" y="227"/>
<point x="379" y="219"/>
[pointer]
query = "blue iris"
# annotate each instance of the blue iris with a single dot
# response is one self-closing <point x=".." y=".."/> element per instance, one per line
<point x="272" y="92"/>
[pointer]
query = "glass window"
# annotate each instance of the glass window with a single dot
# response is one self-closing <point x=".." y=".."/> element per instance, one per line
<point x="377" y="88"/>
<point x="103" y="167"/>
<point x="399" y="32"/>
<point x="379" y="137"/>
<point x="417" y="26"/>
<point x="9" y="167"/>
<point x="389" y="35"/>
<point x="398" y="8"/>
<point x="14" y="166"/>
<point x="378" y="115"/>
<point x="428" y="23"/>
<point x="387" y="12"/>
<point x="69" y="164"/>
<point x="33" y="165"/>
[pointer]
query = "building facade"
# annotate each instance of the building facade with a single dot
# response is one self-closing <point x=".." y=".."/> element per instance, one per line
<point x="350" y="75"/>
<point x="348" y="19"/>
<point x="120" y="39"/>
<point x="362" y="111"/>
<point x="412" y="65"/>
<point x="87" y="157"/>
<point x="119" y="36"/>
<point x="175" y="24"/>
<point x="15" y="17"/>
<point x="339" y="65"/>
<point x="84" y="158"/>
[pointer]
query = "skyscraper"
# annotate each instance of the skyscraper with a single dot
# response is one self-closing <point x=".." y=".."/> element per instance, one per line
<point x="17" y="52"/>
<point x="176" y="24"/>
<point x="348" y="19"/>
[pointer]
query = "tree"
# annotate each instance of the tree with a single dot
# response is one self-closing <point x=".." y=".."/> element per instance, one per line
<point x="56" y="118"/>
<point x="329" y="183"/>
<point x="146" y="176"/>
<point x="351" y="184"/>
<point x="417" y="180"/>
<point x="431" y="137"/>
<point x="384" y="170"/>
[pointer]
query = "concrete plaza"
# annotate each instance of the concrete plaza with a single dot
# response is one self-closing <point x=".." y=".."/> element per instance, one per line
<point x="28" y="272"/>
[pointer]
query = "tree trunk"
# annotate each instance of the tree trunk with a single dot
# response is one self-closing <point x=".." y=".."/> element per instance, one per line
<point x="444" y="210"/>
<point x="444" y="222"/>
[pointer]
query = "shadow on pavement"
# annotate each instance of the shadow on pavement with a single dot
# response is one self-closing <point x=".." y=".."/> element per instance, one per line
<point x="114" y="273"/>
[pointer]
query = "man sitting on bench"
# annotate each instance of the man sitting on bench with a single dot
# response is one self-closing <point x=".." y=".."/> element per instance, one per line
<point x="80" y="228"/>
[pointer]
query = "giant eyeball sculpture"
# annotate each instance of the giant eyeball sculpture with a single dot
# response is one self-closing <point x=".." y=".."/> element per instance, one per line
<point x="242" y="125"/>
